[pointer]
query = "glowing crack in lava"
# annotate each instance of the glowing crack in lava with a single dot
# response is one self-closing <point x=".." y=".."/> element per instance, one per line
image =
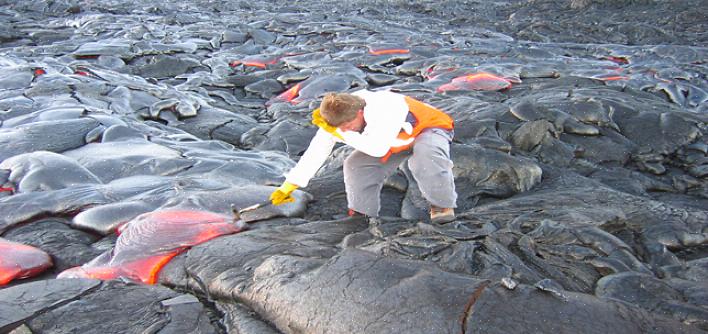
<point x="38" y="71"/>
<point x="618" y="60"/>
<point x="148" y="242"/>
<point x="287" y="96"/>
<point x="260" y="61"/>
<point x="612" y="78"/>
<point x="387" y="50"/>
<point x="19" y="261"/>
<point x="477" y="81"/>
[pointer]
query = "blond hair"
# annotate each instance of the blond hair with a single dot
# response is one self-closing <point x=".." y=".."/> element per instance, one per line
<point x="338" y="108"/>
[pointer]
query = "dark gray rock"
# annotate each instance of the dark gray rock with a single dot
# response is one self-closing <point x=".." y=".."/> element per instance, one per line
<point x="685" y="301"/>
<point x="495" y="310"/>
<point x="161" y="67"/>
<point x="384" y="296"/>
<point x="38" y="171"/>
<point x="24" y="302"/>
<point x="53" y="136"/>
<point x="289" y="137"/>
<point x="121" y="48"/>
<point x="240" y="319"/>
<point x="21" y="207"/>
<point x="110" y="160"/>
<point x="116" y="307"/>
<point x="212" y="123"/>
<point x="481" y="171"/>
<point x="105" y="219"/>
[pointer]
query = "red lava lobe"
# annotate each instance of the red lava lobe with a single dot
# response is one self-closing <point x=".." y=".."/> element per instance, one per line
<point x="477" y="81"/>
<point x="19" y="261"/>
<point x="38" y="71"/>
<point x="618" y="60"/>
<point x="613" y="78"/>
<point x="259" y="61"/>
<point x="287" y="96"/>
<point x="148" y="242"/>
<point x="387" y="51"/>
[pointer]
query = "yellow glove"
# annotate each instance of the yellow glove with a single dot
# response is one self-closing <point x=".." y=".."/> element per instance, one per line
<point x="318" y="120"/>
<point x="282" y="194"/>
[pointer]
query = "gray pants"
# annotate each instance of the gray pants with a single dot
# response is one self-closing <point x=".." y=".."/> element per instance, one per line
<point x="429" y="162"/>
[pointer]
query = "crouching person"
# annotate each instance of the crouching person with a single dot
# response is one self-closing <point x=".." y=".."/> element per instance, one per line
<point x="385" y="129"/>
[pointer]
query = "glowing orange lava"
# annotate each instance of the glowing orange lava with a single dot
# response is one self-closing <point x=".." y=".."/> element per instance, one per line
<point x="19" y="261"/>
<point x="387" y="51"/>
<point x="618" y="60"/>
<point x="614" y="78"/>
<point x="147" y="243"/>
<point x="288" y="95"/>
<point x="259" y="61"/>
<point x="478" y="81"/>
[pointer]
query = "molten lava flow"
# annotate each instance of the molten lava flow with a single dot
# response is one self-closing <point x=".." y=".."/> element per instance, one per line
<point x="259" y="61"/>
<point x="618" y="60"/>
<point x="38" y="71"/>
<point x="613" y="78"/>
<point x="287" y="96"/>
<point x="19" y="261"/>
<point x="387" y="51"/>
<point x="150" y="241"/>
<point x="477" y="81"/>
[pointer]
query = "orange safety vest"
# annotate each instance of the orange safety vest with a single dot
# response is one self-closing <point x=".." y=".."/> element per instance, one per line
<point x="426" y="117"/>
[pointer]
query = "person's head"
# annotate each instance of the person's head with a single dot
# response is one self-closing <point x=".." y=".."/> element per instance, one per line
<point x="343" y="109"/>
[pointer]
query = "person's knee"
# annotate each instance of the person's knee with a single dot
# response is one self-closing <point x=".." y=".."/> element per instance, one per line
<point x="348" y="164"/>
<point x="430" y="162"/>
<point x="358" y="169"/>
<point x="352" y="164"/>
<point x="428" y="151"/>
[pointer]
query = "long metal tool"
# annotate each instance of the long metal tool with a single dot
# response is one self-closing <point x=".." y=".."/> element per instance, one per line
<point x="254" y="206"/>
<point x="237" y="212"/>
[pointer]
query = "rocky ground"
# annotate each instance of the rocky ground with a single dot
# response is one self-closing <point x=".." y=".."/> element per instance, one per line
<point x="130" y="130"/>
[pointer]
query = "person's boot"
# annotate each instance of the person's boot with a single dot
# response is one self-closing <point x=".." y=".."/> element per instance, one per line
<point x="441" y="215"/>
<point x="353" y="216"/>
<point x="352" y="213"/>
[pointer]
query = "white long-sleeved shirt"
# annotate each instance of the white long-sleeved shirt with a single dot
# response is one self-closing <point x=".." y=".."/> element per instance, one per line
<point x="385" y="115"/>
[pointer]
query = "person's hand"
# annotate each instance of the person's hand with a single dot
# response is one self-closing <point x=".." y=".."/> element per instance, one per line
<point x="282" y="194"/>
<point x="318" y="120"/>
